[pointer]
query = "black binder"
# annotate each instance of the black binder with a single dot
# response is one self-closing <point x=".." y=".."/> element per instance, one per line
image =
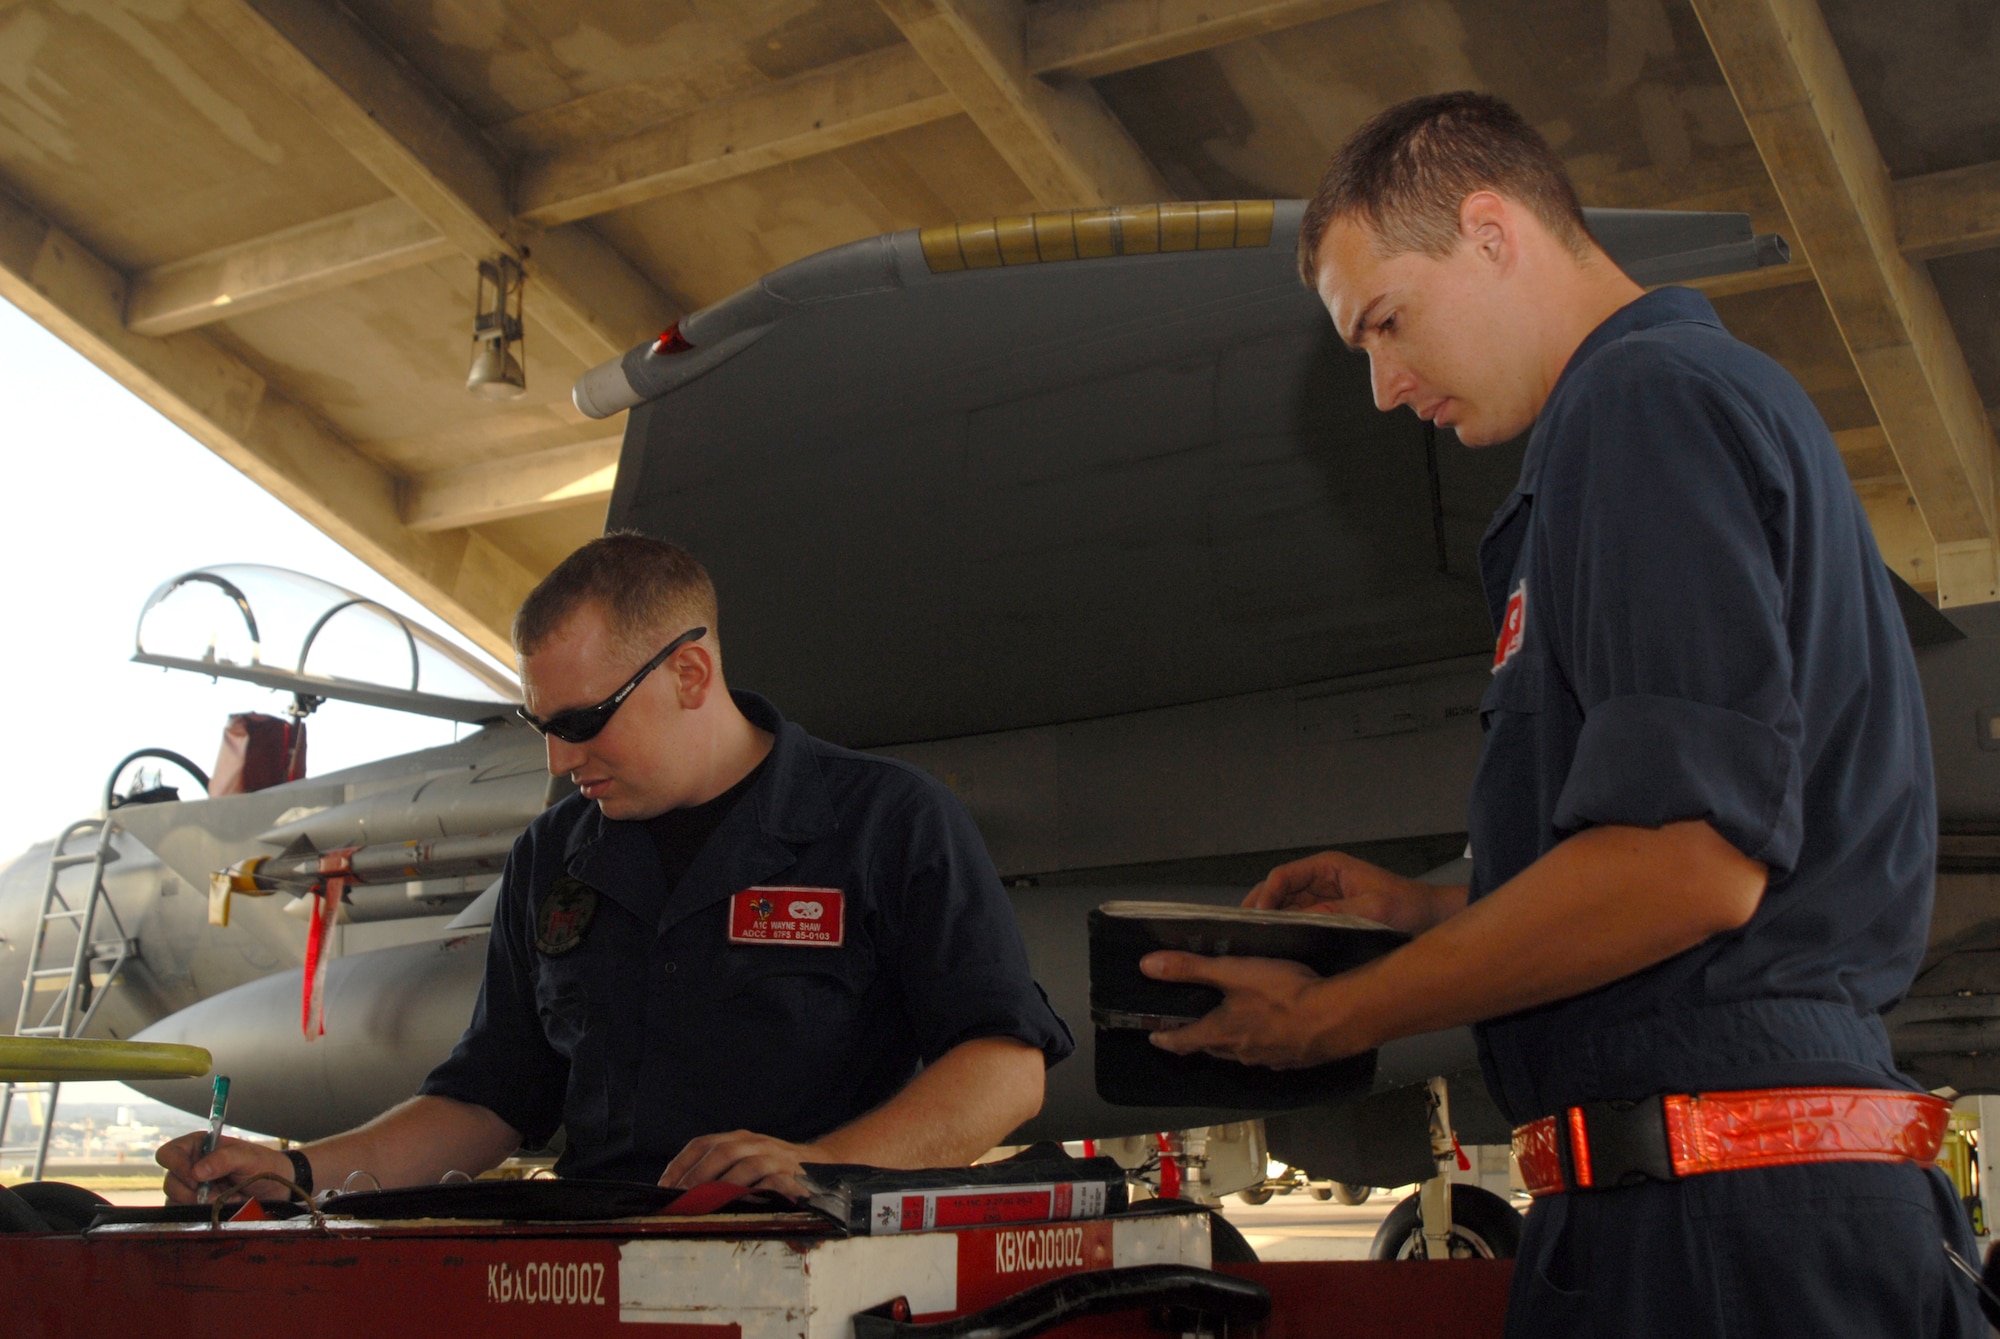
<point x="1126" y="1005"/>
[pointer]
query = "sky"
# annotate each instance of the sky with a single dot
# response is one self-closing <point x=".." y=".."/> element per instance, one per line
<point x="106" y="500"/>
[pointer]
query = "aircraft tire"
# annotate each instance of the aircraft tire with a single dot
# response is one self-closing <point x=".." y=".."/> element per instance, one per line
<point x="1483" y="1226"/>
<point x="1226" y="1245"/>
<point x="64" y="1207"/>
<point x="1258" y="1194"/>
<point x="17" y="1216"/>
<point x="1349" y="1193"/>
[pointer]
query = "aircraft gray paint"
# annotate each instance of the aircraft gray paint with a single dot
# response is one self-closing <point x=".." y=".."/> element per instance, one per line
<point x="1117" y="547"/>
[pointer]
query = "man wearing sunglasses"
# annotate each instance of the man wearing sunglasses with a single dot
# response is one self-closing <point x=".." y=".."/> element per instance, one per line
<point x="735" y="949"/>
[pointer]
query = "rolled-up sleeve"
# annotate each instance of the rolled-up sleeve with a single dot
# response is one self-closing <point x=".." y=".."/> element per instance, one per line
<point x="1668" y="520"/>
<point x="504" y="1062"/>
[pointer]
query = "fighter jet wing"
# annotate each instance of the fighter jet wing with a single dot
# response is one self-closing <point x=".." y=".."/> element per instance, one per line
<point x="994" y="475"/>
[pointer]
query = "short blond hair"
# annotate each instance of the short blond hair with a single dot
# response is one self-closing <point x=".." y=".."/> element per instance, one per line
<point x="641" y="584"/>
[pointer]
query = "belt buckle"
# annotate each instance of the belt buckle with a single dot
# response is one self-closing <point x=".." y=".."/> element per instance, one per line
<point x="1606" y="1145"/>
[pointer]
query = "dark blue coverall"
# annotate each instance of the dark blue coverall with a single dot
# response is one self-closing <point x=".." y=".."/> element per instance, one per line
<point x="1701" y="628"/>
<point x="649" y="1027"/>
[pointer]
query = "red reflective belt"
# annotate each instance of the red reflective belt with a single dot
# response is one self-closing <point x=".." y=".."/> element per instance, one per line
<point x="1723" y="1132"/>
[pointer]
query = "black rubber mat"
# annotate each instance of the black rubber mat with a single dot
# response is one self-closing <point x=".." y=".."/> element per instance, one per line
<point x="540" y="1201"/>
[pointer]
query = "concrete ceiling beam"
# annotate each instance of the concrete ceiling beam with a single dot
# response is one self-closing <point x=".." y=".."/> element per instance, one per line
<point x="816" y="112"/>
<point x="1091" y="38"/>
<point x="1057" y="134"/>
<point x="821" y="110"/>
<point x="1753" y="281"/>
<point x="523" y="485"/>
<point x="1787" y="77"/>
<point x="587" y="295"/>
<point x="282" y="267"/>
<point x="1949" y="213"/>
<point x="1942" y="214"/>
<point x="1939" y="214"/>
<point x="227" y="405"/>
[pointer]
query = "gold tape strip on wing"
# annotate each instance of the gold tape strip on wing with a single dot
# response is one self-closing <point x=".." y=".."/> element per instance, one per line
<point x="1016" y="234"/>
<point x="940" y="245"/>
<point x="1138" y="230"/>
<point x="1093" y="234"/>
<point x="1055" y="236"/>
<point x="978" y="244"/>
<point x="1096" y="234"/>
<point x="1254" y="219"/>
<point x="1215" y="225"/>
<point x="1180" y="226"/>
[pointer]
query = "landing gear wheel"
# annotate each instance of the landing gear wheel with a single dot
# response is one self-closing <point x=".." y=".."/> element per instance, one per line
<point x="1483" y="1226"/>
<point x="1349" y="1193"/>
<point x="1323" y="1192"/>
<point x="17" y="1216"/>
<point x="1228" y="1245"/>
<point x="1260" y="1194"/>
<point x="64" y="1207"/>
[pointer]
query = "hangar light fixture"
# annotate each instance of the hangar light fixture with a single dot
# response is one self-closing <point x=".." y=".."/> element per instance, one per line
<point x="496" y="372"/>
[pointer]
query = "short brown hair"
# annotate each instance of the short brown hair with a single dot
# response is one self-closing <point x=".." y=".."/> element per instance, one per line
<point x="642" y="584"/>
<point x="1407" y="171"/>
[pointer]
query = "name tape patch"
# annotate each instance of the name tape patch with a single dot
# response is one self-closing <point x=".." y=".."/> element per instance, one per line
<point x="806" y="917"/>
<point x="1513" y="627"/>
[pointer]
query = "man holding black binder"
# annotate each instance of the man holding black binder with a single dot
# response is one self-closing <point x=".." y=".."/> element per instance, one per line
<point x="1703" y="824"/>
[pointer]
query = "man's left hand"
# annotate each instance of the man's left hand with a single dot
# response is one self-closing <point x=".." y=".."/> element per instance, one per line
<point x="1274" y="1013"/>
<point x="743" y="1158"/>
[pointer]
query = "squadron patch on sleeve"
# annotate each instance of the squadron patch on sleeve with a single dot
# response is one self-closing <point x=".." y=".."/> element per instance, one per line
<point x="564" y="916"/>
<point x="1513" y="627"/>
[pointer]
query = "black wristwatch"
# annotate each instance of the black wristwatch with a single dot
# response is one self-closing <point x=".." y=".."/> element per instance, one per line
<point x="302" y="1170"/>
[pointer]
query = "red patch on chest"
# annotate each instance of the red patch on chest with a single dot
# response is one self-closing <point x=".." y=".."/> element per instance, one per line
<point x="805" y="917"/>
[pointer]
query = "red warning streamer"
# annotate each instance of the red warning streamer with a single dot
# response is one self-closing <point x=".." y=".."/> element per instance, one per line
<point x="312" y="1000"/>
<point x="1170" y="1170"/>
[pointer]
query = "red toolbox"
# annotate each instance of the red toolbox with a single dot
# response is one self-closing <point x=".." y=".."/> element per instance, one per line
<point x="743" y="1276"/>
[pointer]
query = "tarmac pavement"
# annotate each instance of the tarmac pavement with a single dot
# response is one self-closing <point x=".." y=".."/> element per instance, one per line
<point x="1299" y="1227"/>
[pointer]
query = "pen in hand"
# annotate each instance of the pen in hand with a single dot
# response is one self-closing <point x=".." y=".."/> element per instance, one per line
<point x="217" y="1107"/>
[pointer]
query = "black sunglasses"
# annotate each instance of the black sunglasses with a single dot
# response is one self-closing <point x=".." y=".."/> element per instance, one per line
<point x="580" y="724"/>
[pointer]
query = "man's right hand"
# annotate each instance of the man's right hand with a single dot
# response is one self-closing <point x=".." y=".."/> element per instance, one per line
<point x="234" y="1162"/>
<point x="1333" y="883"/>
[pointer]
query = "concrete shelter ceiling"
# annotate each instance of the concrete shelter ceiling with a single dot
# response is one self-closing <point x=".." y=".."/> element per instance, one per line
<point x="263" y="215"/>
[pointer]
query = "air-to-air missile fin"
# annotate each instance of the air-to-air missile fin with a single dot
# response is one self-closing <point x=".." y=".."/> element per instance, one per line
<point x="301" y="845"/>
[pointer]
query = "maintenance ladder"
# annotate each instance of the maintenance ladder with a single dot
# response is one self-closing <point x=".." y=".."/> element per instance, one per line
<point x="76" y="1001"/>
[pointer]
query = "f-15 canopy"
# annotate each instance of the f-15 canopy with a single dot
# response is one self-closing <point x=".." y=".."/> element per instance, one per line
<point x="284" y="630"/>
